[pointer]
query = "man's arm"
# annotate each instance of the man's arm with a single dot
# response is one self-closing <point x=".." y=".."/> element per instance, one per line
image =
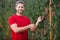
<point x="19" y="29"/>
<point x="32" y="29"/>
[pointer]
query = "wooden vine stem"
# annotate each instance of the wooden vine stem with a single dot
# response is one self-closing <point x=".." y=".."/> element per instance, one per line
<point x="50" y="18"/>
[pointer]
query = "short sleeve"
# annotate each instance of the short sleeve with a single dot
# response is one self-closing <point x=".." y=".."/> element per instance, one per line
<point x="11" y="21"/>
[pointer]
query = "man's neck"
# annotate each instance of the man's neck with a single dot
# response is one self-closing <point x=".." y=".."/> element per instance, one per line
<point x="19" y="14"/>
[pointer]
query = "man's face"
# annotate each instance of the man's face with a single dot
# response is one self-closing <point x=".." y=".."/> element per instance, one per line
<point x="20" y="7"/>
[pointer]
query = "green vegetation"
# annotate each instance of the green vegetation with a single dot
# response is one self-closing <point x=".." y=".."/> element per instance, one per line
<point x="34" y="8"/>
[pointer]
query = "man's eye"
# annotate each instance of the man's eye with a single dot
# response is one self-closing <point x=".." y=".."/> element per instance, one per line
<point x="21" y="7"/>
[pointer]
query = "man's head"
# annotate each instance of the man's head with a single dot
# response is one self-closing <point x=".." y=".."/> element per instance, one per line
<point x="19" y="7"/>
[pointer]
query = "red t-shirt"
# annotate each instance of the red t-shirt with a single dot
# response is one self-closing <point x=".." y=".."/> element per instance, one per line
<point x="21" y="22"/>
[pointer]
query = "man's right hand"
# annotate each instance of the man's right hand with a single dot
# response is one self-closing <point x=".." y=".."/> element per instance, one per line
<point x="31" y="25"/>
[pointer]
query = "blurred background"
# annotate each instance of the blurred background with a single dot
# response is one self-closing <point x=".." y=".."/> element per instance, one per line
<point x="34" y="9"/>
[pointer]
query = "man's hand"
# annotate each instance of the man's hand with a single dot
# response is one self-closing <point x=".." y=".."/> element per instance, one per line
<point x="39" y="20"/>
<point x="32" y="27"/>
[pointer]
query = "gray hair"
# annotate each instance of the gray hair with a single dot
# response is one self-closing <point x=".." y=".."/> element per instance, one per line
<point x="19" y="2"/>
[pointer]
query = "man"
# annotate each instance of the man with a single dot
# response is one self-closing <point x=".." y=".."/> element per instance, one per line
<point x="19" y="24"/>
